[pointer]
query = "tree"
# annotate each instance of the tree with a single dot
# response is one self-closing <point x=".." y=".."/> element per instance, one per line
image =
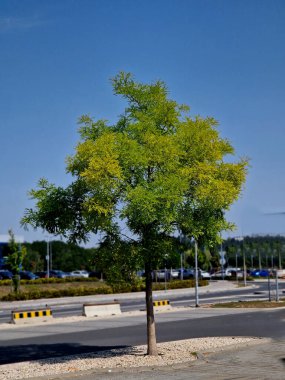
<point x="33" y="261"/>
<point x="119" y="261"/>
<point x="155" y="172"/>
<point x="67" y="257"/>
<point x="15" y="260"/>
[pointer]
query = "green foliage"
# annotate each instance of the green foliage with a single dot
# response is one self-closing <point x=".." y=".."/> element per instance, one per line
<point x="16" y="254"/>
<point x="155" y="169"/>
<point x="33" y="261"/>
<point x="258" y="250"/>
<point x="69" y="292"/>
<point x="118" y="260"/>
<point x="89" y="290"/>
<point x="15" y="260"/>
<point x="179" y="284"/>
<point x="54" y="280"/>
<point x="65" y="256"/>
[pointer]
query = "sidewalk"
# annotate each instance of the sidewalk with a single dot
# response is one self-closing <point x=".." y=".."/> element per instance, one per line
<point x="260" y="361"/>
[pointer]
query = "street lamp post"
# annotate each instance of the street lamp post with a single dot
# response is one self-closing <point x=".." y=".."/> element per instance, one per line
<point x="196" y="274"/>
<point x="240" y="238"/>
<point x="244" y="265"/>
<point x="237" y="267"/>
<point x="259" y="259"/>
<point x="181" y="266"/>
<point x="277" y="287"/>
<point x="48" y="256"/>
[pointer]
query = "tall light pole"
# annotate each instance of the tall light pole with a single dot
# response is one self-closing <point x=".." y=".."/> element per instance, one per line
<point x="196" y="274"/>
<point x="259" y="259"/>
<point x="237" y="265"/>
<point x="181" y="266"/>
<point x="47" y="257"/>
<point x="279" y="256"/>
<point x="240" y="238"/>
<point x="181" y="257"/>
<point x="50" y="255"/>
<point x="244" y="265"/>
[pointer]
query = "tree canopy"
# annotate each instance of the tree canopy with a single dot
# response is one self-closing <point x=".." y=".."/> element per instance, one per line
<point x="155" y="172"/>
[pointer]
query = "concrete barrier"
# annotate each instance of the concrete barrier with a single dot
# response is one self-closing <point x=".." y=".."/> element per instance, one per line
<point x="101" y="309"/>
<point x="31" y="316"/>
<point x="161" y="303"/>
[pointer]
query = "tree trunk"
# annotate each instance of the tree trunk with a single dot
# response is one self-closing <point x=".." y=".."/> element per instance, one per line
<point x="151" y="336"/>
<point x="16" y="283"/>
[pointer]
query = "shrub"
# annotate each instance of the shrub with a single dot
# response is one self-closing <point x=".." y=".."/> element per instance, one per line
<point x="179" y="284"/>
<point x="5" y="282"/>
<point x="54" y="280"/>
<point x="119" y="287"/>
<point x="52" y="293"/>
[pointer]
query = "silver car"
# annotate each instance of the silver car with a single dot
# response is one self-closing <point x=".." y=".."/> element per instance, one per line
<point x="79" y="273"/>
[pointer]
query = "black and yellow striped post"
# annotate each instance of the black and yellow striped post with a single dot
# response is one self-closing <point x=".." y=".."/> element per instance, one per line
<point x="30" y="316"/>
<point x="161" y="303"/>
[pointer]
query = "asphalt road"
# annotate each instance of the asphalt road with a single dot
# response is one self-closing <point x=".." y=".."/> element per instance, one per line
<point x="38" y="342"/>
<point x="74" y="308"/>
<point x="25" y="343"/>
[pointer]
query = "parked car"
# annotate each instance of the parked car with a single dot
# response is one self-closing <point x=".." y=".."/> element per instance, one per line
<point x="26" y="275"/>
<point x="226" y="272"/>
<point x="41" y="274"/>
<point x="6" y="274"/>
<point x="190" y="274"/>
<point x="58" y="274"/>
<point x="96" y="274"/>
<point x="204" y="275"/>
<point x="174" y="274"/>
<point x="166" y="274"/>
<point x="220" y="275"/>
<point x="237" y="273"/>
<point x="187" y="274"/>
<point x="260" y="273"/>
<point x="79" y="273"/>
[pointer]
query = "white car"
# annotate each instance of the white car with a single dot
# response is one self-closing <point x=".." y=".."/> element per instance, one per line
<point x="79" y="273"/>
<point x="169" y="274"/>
<point x="204" y="275"/>
<point x="174" y="274"/>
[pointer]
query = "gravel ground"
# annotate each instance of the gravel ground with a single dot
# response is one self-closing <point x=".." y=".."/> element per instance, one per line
<point x="169" y="353"/>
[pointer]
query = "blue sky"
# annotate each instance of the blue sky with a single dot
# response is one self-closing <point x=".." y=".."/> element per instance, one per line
<point x="224" y="58"/>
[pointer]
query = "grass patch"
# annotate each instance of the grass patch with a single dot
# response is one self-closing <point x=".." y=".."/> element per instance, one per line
<point x="251" y="304"/>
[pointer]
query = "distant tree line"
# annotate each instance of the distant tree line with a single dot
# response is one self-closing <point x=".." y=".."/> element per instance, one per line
<point x="259" y="251"/>
<point x="63" y="256"/>
<point x="120" y="259"/>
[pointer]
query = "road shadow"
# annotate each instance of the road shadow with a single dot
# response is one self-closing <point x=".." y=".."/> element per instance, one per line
<point x="23" y="353"/>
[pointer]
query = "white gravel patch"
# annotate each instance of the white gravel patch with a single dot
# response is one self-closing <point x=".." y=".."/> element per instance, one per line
<point x="168" y="354"/>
